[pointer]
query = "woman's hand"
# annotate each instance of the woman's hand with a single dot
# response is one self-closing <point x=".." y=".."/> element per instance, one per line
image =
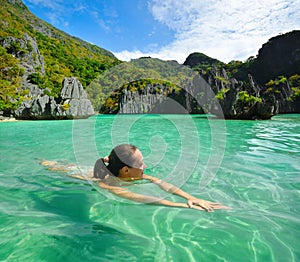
<point x="201" y="204"/>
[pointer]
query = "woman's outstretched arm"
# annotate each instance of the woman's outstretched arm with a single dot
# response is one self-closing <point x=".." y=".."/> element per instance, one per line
<point x="192" y="201"/>
<point x="125" y="193"/>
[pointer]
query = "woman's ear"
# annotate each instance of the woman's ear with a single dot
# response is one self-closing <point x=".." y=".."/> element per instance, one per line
<point x="124" y="170"/>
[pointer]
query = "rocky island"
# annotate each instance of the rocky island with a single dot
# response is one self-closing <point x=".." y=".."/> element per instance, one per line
<point x="48" y="74"/>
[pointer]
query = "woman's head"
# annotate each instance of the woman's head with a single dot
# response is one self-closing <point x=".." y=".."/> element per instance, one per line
<point x="125" y="161"/>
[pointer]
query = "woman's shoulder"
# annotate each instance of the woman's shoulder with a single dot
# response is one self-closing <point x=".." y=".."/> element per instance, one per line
<point x="151" y="178"/>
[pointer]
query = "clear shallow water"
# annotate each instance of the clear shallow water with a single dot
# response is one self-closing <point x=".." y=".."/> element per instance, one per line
<point x="49" y="216"/>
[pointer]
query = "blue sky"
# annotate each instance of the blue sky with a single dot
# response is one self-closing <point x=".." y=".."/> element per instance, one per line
<point x="172" y="29"/>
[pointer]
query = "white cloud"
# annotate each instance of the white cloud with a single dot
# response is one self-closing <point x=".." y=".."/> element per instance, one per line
<point x="59" y="10"/>
<point x="53" y="5"/>
<point x="126" y="55"/>
<point x="99" y="21"/>
<point x="223" y="29"/>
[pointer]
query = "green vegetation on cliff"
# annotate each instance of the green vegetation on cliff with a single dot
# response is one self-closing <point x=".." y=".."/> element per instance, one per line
<point x="201" y="62"/>
<point x="295" y="85"/>
<point x="10" y="80"/>
<point x="63" y="55"/>
<point x="275" y="86"/>
<point x="140" y="72"/>
<point x="162" y="87"/>
<point x="276" y="69"/>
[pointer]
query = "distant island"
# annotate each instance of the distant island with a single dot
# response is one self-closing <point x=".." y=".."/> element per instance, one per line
<point x="48" y="74"/>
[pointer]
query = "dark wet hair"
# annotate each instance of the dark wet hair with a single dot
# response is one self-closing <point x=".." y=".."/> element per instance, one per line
<point x="120" y="156"/>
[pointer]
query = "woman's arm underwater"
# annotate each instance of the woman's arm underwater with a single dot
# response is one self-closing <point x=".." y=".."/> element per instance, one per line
<point x="125" y="193"/>
<point x="192" y="201"/>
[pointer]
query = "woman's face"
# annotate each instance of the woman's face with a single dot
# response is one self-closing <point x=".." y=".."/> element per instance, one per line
<point x="136" y="171"/>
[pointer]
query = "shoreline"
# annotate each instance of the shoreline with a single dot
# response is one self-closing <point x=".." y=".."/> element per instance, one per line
<point x="275" y="117"/>
<point x="7" y="119"/>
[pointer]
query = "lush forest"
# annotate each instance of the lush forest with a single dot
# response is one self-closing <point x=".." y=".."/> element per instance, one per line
<point x="64" y="55"/>
<point x="10" y="80"/>
<point x="130" y="74"/>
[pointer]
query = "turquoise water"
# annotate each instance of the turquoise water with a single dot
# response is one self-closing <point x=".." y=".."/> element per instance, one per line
<point x="251" y="166"/>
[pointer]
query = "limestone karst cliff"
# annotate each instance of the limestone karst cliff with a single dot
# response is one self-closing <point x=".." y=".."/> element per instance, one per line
<point x="36" y="58"/>
<point x="40" y="62"/>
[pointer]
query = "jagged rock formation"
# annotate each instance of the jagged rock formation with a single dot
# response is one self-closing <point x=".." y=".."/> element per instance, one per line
<point x="134" y="102"/>
<point x="27" y="51"/>
<point x="238" y="99"/>
<point x="36" y="58"/>
<point x="74" y="99"/>
<point x="153" y="99"/>
<point x="263" y="88"/>
<point x="248" y="99"/>
<point x="212" y="92"/>
<point x="71" y="104"/>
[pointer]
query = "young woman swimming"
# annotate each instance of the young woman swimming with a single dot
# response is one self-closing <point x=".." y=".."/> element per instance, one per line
<point x="125" y="164"/>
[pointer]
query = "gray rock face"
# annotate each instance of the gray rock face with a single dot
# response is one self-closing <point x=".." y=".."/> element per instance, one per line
<point x="71" y="104"/>
<point x="139" y="103"/>
<point x="254" y="104"/>
<point x="212" y="93"/>
<point x="236" y="99"/>
<point x="153" y="99"/>
<point x="75" y="102"/>
<point x="72" y="88"/>
<point x="26" y="50"/>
